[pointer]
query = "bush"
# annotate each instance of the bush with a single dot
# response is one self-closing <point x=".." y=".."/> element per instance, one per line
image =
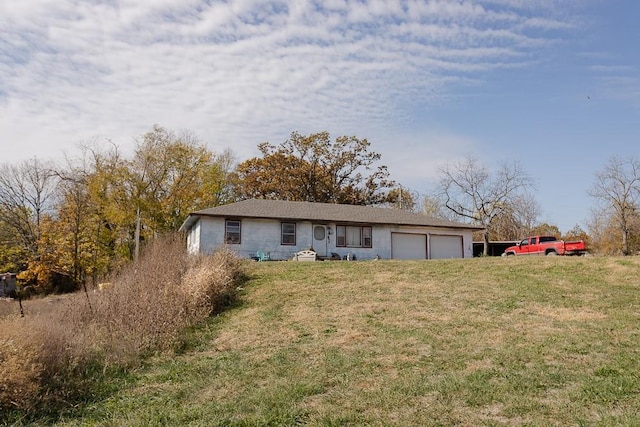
<point x="50" y="355"/>
<point x="210" y="283"/>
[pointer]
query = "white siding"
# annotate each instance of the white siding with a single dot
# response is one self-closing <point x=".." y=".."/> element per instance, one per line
<point x="193" y="238"/>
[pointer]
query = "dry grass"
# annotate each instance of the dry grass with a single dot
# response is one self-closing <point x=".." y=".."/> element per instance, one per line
<point x="50" y="356"/>
<point x="490" y="342"/>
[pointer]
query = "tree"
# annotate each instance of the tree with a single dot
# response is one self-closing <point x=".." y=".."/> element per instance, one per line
<point x="13" y="254"/>
<point x="315" y="169"/>
<point x="577" y="233"/>
<point x="168" y="176"/>
<point x="78" y="232"/>
<point x="516" y="220"/>
<point x="434" y="206"/>
<point x="545" y="229"/>
<point x="84" y="218"/>
<point x="26" y="194"/>
<point x="470" y="191"/>
<point x="617" y="193"/>
<point x="402" y="198"/>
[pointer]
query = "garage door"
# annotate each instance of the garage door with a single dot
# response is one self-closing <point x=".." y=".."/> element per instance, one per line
<point x="408" y="246"/>
<point x="446" y="247"/>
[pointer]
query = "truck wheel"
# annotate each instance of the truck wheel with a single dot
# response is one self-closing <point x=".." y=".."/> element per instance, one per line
<point x="552" y="253"/>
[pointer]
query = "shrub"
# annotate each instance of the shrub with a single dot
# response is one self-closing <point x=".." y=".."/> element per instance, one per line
<point x="210" y="283"/>
<point x="50" y="355"/>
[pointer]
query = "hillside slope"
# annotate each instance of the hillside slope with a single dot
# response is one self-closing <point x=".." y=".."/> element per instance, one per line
<point x="543" y="341"/>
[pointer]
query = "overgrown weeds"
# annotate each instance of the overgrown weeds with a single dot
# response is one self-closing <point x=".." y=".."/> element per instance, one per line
<point x="51" y="357"/>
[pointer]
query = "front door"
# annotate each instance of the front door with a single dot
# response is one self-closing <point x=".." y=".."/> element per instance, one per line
<point x="320" y="239"/>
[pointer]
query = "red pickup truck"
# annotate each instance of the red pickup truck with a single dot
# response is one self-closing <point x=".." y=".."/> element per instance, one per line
<point x="546" y="245"/>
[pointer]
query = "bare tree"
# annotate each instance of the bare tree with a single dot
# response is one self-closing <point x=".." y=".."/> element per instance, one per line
<point x="470" y="191"/>
<point x="517" y="219"/>
<point x="26" y="194"/>
<point x="617" y="191"/>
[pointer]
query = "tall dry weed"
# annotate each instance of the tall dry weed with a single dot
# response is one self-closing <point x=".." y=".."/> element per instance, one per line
<point x="37" y="355"/>
<point x="146" y="308"/>
<point x="20" y="369"/>
<point x="143" y="309"/>
<point x="210" y="283"/>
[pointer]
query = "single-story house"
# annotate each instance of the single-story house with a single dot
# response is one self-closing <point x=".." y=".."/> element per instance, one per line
<point x="283" y="228"/>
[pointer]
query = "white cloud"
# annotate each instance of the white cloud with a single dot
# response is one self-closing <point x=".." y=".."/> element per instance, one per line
<point x="243" y="71"/>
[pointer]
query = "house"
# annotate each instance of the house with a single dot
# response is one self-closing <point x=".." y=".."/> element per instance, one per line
<point x="283" y="228"/>
<point x="7" y="284"/>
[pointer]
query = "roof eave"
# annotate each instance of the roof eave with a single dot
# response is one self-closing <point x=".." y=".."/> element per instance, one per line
<point x="193" y="217"/>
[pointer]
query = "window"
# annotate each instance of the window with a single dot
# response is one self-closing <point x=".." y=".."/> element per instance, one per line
<point x="366" y="237"/>
<point x="288" y="234"/>
<point x="353" y="237"/>
<point x="232" y="232"/>
<point x="319" y="232"/>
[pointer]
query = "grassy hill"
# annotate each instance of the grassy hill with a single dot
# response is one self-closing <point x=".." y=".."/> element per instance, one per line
<point x="541" y="341"/>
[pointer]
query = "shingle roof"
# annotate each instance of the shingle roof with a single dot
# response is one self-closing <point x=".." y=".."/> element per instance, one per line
<point x="286" y="210"/>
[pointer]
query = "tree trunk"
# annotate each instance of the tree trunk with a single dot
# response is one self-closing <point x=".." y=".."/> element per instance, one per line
<point x="485" y="250"/>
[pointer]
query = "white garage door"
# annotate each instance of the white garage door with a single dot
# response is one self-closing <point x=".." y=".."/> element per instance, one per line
<point x="408" y="246"/>
<point x="446" y="247"/>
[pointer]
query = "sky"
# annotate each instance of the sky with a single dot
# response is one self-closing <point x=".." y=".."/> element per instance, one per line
<point x="551" y="84"/>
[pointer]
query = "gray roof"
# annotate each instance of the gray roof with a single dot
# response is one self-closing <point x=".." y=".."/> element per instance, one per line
<point x="321" y="212"/>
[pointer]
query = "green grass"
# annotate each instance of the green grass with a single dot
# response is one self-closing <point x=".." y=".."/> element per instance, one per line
<point x="492" y="341"/>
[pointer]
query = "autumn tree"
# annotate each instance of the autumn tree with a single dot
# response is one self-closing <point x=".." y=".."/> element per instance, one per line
<point x="316" y="169"/>
<point x="617" y="194"/>
<point x="577" y="233"/>
<point x="27" y="193"/>
<point x="545" y="229"/>
<point x="402" y="198"/>
<point x="472" y="192"/>
<point x="13" y="254"/>
<point x="169" y="175"/>
<point x="79" y="235"/>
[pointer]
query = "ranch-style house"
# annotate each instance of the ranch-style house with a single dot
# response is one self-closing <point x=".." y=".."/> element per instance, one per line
<point x="281" y="229"/>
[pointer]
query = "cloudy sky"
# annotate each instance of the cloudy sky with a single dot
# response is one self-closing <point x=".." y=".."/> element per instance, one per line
<point x="552" y="84"/>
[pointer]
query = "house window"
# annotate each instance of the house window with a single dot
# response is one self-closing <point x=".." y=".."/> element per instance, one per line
<point x="353" y="237"/>
<point x="232" y="232"/>
<point x="288" y="234"/>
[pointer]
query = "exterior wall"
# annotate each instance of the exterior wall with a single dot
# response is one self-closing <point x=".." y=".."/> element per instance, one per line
<point x="211" y="234"/>
<point x="193" y="238"/>
<point x="255" y="234"/>
<point x="258" y="234"/>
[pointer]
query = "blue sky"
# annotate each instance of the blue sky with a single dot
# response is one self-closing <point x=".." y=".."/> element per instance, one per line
<point x="552" y="84"/>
